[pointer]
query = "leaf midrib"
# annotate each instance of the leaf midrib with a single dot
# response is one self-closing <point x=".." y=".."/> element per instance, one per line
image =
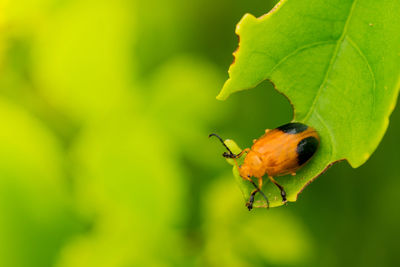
<point x="331" y="62"/>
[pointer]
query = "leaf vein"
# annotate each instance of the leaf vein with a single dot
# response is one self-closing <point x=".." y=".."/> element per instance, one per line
<point x="302" y="48"/>
<point x="364" y="57"/>
<point x="331" y="62"/>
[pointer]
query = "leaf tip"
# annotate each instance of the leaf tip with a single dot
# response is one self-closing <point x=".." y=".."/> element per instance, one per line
<point x="233" y="146"/>
<point x="221" y="97"/>
<point x="224" y="94"/>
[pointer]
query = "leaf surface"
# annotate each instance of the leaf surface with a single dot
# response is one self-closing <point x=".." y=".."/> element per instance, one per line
<point x="337" y="61"/>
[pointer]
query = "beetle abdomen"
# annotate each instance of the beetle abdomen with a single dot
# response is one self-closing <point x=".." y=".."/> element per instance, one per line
<point x="306" y="149"/>
<point x="285" y="149"/>
<point x="293" y="128"/>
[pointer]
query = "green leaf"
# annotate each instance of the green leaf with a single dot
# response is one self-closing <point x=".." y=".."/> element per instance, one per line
<point x="337" y="61"/>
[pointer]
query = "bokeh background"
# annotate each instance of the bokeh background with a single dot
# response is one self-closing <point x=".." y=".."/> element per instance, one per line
<point x="105" y="109"/>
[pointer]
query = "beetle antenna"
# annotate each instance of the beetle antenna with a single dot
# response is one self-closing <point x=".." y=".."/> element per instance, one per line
<point x="261" y="192"/>
<point x="226" y="155"/>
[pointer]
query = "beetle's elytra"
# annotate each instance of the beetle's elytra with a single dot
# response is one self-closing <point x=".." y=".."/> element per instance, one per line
<point x="278" y="152"/>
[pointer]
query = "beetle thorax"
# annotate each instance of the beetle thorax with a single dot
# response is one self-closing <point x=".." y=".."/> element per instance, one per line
<point x="252" y="166"/>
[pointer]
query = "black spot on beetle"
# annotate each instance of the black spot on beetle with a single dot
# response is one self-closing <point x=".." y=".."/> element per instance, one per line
<point x="306" y="149"/>
<point x="293" y="128"/>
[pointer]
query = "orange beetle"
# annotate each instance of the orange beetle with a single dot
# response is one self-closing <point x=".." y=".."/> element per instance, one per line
<point x="278" y="152"/>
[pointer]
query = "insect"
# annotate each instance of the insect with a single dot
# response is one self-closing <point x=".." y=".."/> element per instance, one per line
<point x="278" y="152"/>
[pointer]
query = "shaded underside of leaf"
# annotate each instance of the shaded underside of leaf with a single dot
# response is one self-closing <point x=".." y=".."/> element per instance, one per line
<point x="337" y="61"/>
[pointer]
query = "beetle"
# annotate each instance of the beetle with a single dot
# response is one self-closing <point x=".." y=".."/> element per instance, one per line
<point x="280" y="151"/>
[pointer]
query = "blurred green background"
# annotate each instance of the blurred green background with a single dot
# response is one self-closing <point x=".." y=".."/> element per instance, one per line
<point x="105" y="108"/>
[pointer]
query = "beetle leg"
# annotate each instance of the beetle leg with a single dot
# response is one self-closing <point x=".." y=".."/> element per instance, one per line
<point x="229" y="155"/>
<point x="236" y="156"/>
<point x="260" y="182"/>
<point x="249" y="204"/>
<point x="246" y="150"/>
<point x="283" y="193"/>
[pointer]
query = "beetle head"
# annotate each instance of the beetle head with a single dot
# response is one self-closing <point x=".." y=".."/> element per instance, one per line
<point x="252" y="167"/>
<point x="245" y="171"/>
